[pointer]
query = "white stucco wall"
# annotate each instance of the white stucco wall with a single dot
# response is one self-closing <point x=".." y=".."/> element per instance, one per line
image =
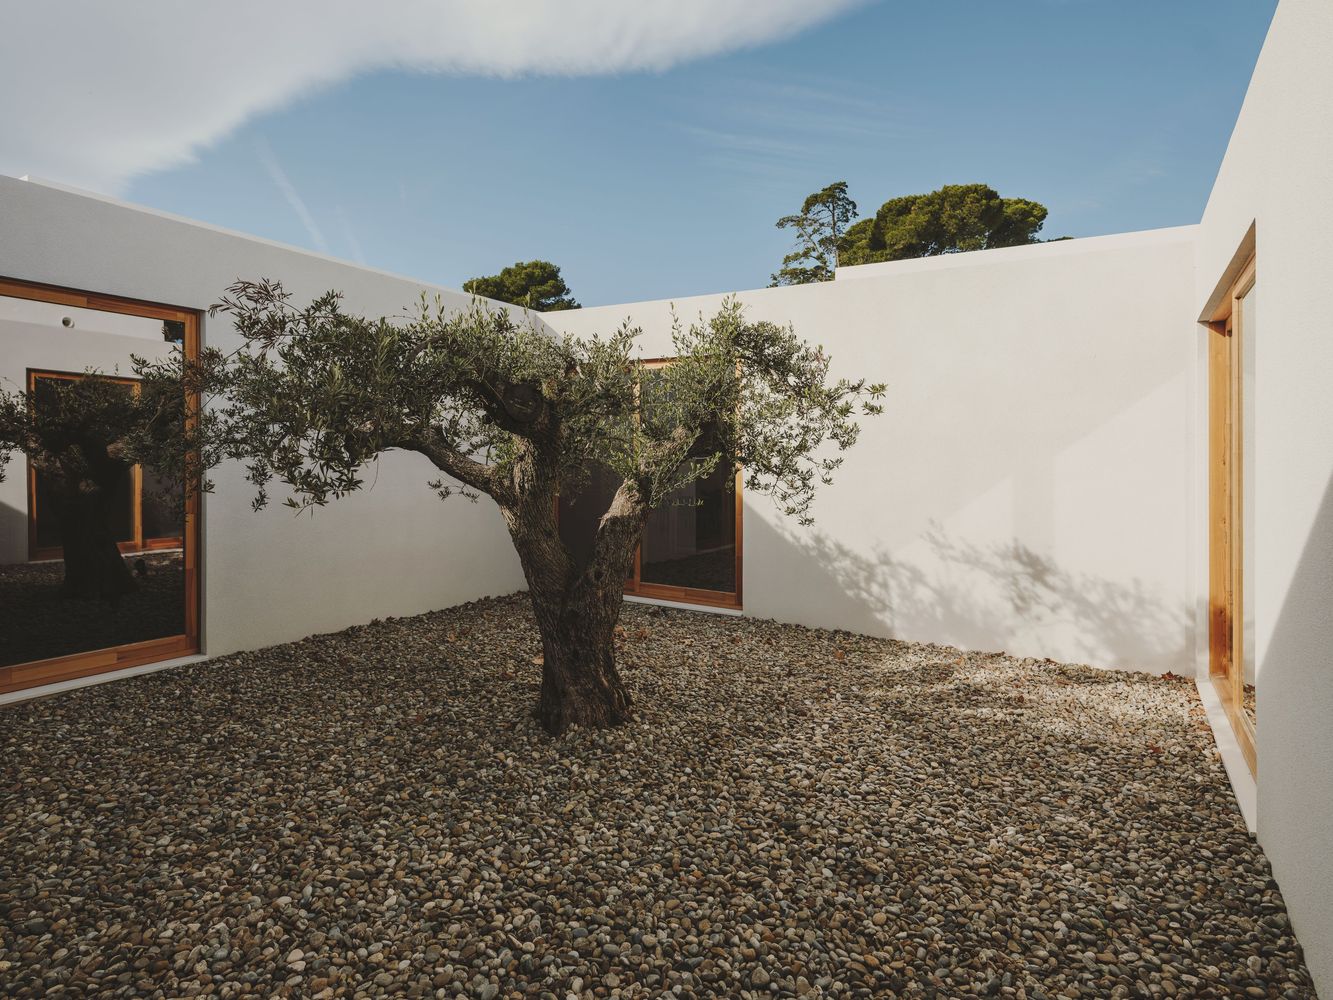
<point x="1276" y="177"/>
<point x="1028" y="487"/>
<point x="393" y="549"/>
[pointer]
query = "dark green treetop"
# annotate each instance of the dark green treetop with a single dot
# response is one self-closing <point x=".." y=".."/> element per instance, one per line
<point x="955" y="218"/>
<point x="533" y="284"/>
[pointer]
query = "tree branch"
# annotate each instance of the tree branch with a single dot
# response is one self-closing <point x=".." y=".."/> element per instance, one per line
<point x="516" y="407"/>
<point x="453" y="462"/>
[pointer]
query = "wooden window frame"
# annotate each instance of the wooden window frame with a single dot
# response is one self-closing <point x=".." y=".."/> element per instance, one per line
<point x="1226" y="542"/>
<point x="137" y="544"/>
<point x="22" y="676"/>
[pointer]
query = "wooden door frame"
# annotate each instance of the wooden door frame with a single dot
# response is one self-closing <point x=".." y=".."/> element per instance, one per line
<point x="21" y="676"/>
<point x="1226" y="542"/>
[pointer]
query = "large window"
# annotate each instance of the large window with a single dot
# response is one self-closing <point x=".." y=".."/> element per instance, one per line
<point x="691" y="549"/>
<point x="98" y="556"/>
<point x="689" y="543"/>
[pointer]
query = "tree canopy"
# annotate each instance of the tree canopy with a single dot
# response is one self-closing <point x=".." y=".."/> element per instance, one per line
<point x="820" y="226"/>
<point x="533" y="284"/>
<point x="955" y="218"/>
<point x="320" y="392"/>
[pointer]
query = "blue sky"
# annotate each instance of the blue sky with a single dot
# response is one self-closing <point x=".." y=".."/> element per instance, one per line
<point x="663" y="184"/>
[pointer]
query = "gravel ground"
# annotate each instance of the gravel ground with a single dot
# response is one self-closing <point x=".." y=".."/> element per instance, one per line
<point x="794" y="812"/>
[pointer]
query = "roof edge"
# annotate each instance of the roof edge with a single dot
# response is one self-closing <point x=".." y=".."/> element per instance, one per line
<point x="1054" y="248"/>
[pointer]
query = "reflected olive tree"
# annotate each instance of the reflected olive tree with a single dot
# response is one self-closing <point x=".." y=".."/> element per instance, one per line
<point x="85" y="435"/>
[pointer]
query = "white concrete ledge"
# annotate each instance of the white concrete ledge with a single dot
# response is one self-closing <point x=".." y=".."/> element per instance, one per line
<point x="1056" y="248"/>
<point x="707" y="609"/>
<point x="1242" y="781"/>
<point x="46" y="690"/>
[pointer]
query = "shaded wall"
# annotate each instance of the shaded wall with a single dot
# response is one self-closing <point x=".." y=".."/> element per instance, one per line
<point x="1029" y="485"/>
<point x="1275" y="180"/>
<point x="393" y="549"/>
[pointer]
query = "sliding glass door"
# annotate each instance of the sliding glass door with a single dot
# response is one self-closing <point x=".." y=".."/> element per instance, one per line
<point x="98" y="555"/>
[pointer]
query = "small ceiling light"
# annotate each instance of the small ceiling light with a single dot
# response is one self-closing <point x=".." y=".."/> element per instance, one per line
<point x="67" y="322"/>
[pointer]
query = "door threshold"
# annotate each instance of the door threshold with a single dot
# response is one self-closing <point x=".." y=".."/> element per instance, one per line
<point x="711" y="609"/>
<point x="1243" y="785"/>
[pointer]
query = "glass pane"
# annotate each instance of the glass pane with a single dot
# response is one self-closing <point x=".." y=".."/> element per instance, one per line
<point x="581" y="512"/>
<point x="50" y="499"/>
<point x="52" y="317"/>
<point x="120" y="516"/>
<point x="162" y="509"/>
<point x="691" y="540"/>
<point x="70" y="580"/>
<point x="1246" y="332"/>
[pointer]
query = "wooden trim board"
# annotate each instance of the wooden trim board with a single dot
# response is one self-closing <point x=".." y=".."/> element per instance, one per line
<point x="1226" y="541"/>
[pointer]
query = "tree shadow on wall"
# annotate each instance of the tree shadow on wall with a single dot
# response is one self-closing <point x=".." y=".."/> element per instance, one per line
<point x="992" y="597"/>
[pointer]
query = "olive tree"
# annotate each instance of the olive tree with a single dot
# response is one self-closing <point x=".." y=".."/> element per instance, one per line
<point x="502" y="407"/>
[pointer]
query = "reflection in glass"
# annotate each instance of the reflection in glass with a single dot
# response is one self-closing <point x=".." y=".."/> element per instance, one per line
<point x="57" y="497"/>
<point x="15" y="314"/>
<point x="581" y="512"/>
<point x="690" y="541"/>
<point x="161" y="512"/>
<point x="90" y="544"/>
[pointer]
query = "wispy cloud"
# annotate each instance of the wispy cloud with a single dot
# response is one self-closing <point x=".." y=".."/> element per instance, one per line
<point x="781" y="127"/>
<point x="746" y="142"/>
<point x="127" y="88"/>
<point x="349" y="237"/>
<point x="292" y="196"/>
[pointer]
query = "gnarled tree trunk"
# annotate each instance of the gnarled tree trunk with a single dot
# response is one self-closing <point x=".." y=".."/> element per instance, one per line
<point x="94" y="567"/>
<point x="580" y="683"/>
<point x="577" y="608"/>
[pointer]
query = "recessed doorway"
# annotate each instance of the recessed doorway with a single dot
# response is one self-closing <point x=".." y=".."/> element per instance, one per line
<point x="691" y="551"/>
<point x="1233" y="667"/>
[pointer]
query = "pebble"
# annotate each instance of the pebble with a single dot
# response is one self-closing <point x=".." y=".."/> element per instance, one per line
<point x="792" y="812"/>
